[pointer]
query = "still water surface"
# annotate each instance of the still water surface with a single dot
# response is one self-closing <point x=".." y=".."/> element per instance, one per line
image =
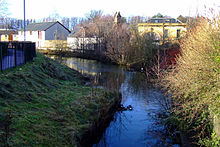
<point x="136" y="128"/>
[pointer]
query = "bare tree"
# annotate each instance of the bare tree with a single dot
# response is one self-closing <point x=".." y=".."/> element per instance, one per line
<point x="54" y="16"/>
<point x="73" y="22"/>
<point x="66" y="22"/>
<point x="3" y="8"/>
<point x="93" y="15"/>
<point x="117" y="43"/>
<point x="3" y="13"/>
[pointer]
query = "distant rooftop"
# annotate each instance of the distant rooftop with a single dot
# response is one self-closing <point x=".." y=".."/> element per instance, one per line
<point x="6" y="31"/>
<point x="39" y="26"/>
<point x="163" y="20"/>
<point x="43" y="26"/>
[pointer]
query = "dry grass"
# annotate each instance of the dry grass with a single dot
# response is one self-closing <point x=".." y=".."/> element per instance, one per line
<point x="194" y="81"/>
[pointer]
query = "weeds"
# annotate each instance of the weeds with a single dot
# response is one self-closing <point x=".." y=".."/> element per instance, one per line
<point x="194" y="81"/>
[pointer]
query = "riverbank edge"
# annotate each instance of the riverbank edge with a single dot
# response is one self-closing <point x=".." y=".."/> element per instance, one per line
<point x="105" y="108"/>
<point x="184" y="140"/>
<point x="89" y="57"/>
<point x="95" y="131"/>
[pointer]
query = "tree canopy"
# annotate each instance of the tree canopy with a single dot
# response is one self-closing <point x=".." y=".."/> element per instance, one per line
<point x="158" y="15"/>
<point x="3" y="8"/>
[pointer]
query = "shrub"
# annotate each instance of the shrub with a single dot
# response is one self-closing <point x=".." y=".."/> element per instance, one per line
<point x="194" y="81"/>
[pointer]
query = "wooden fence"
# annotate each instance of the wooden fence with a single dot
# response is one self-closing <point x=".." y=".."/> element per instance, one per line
<point x="16" y="53"/>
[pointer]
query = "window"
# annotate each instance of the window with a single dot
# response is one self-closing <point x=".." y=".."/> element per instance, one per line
<point x="166" y="35"/>
<point x="178" y="33"/>
<point x="167" y="21"/>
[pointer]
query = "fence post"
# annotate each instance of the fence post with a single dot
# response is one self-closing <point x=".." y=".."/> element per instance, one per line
<point x="1" y="56"/>
<point x="15" y="48"/>
<point x="26" y="50"/>
<point x="25" y="53"/>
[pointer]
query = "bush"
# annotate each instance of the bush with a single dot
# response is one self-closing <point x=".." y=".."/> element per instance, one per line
<point x="194" y="81"/>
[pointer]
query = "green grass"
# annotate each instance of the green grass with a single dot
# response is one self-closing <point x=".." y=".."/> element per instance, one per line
<point x="44" y="103"/>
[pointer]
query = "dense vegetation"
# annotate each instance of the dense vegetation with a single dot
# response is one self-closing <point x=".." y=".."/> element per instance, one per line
<point x="194" y="83"/>
<point x="119" y="43"/>
<point x="44" y="103"/>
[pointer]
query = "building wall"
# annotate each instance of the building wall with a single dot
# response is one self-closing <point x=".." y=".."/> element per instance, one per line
<point x="34" y="36"/>
<point x="44" y="39"/>
<point x="56" y="44"/>
<point x="56" y="32"/>
<point x="15" y="37"/>
<point x="159" y="29"/>
<point x="5" y="37"/>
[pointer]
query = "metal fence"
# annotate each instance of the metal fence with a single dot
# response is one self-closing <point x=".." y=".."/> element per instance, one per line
<point x="16" y="53"/>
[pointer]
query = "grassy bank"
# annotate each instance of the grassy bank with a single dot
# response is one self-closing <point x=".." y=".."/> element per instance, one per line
<point x="194" y="84"/>
<point x="44" y="103"/>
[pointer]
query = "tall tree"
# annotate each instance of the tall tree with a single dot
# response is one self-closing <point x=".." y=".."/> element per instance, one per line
<point x="73" y="22"/>
<point x="182" y="18"/>
<point x="3" y="8"/>
<point x="93" y="15"/>
<point x="54" y="16"/>
<point x="3" y="13"/>
<point x="66" y="22"/>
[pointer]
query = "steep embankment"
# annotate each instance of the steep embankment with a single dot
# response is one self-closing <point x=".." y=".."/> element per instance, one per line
<point x="44" y="103"/>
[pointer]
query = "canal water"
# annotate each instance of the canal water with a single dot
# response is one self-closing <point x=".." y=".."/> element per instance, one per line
<point x="139" y="127"/>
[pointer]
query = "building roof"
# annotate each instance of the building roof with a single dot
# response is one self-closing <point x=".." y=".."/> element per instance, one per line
<point x="39" y="26"/>
<point x="83" y="31"/>
<point x="163" y="20"/>
<point x="6" y="32"/>
<point x="43" y="26"/>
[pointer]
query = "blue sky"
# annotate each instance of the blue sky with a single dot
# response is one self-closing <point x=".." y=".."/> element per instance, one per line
<point x="78" y="8"/>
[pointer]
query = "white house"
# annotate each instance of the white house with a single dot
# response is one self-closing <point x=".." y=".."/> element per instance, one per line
<point x="44" y="34"/>
<point x="83" y="39"/>
<point x="89" y="43"/>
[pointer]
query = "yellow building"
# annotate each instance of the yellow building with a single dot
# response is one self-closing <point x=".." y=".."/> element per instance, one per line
<point x="7" y="35"/>
<point x="163" y="30"/>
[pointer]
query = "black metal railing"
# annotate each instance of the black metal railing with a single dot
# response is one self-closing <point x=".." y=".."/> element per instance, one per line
<point x="16" y="53"/>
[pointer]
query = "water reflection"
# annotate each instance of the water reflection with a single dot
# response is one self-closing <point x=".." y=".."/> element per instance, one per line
<point x="108" y="76"/>
<point x="128" y="128"/>
<point x="137" y="127"/>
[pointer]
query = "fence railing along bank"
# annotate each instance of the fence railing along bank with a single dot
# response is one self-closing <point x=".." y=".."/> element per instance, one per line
<point x="16" y="53"/>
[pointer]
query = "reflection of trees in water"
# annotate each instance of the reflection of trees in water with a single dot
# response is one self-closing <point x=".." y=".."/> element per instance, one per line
<point x="110" y="81"/>
<point x="158" y="110"/>
<point x="161" y="135"/>
<point x="137" y="82"/>
<point x="131" y="84"/>
<point x="84" y="66"/>
<point x="118" y="127"/>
